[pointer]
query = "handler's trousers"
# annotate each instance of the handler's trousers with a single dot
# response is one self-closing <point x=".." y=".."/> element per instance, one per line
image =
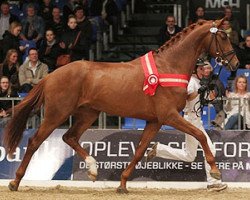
<point x="189" y="153"/>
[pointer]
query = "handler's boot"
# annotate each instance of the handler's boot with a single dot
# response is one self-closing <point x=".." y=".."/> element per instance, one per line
<point x="217" y="187"/>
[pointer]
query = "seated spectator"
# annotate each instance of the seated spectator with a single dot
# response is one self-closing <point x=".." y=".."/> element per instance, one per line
<point x="9" y="68"/>
<point x="72" y="41"/>
<point x="49" y="50"/>
<point x="228" y="14"/>
<point x="11" y="40"/>
<point x="6" y="18"/>
<point x="45" y="10"/>
<point x="23" y="4"/>
<point x="84" y="25"/>
<point x="231" y="33"/>
<point x="199" y="15"/>
<point x="244" y="54"/>
<point x="5" y="91"/>
<point x="168" y="30"/>
<point x="234" y="110"/>
<point x="56" y="23"/>
<point x="32" y="71"/>
<point x="33" y="26"/>
<point x="68" y="8"/>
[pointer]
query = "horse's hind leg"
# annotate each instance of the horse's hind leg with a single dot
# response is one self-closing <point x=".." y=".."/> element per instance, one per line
<point x="84" y="117"/>
<point x="181" y="124"/>
<point x="46" y="128"/>
<point x="148" y="134"/>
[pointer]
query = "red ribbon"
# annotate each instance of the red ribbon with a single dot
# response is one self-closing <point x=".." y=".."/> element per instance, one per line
<point x="153" y="78"/>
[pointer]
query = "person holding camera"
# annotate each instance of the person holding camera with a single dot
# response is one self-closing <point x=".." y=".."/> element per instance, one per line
<point x="216" y="89"/>
<point x="188" y="154"/>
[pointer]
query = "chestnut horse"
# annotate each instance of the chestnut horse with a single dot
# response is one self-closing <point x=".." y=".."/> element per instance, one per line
<point x="84" y="89"/>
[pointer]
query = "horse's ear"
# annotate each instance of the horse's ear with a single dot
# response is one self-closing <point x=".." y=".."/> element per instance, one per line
<point x="219" y="22"/>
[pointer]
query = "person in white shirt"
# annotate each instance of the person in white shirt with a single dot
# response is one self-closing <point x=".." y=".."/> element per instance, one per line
<point x="190" y="114"/>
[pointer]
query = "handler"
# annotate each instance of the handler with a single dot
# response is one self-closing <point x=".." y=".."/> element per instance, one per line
<point x="189" y="153"/>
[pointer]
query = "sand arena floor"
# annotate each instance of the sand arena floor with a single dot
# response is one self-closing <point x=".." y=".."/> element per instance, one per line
<point x="73" y="193"/>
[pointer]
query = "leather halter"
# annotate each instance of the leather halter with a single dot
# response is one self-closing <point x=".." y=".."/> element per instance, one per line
<point x="153" y="78"/>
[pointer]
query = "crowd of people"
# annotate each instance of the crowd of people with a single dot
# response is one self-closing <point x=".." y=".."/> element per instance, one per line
<point x="241" y="45"/>
<point x="31" y="42"/>
<point x="30" y="45"/>
<point x="230" y="25"/>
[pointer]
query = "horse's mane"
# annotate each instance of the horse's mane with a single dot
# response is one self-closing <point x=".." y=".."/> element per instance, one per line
<point x="180" y="35"/>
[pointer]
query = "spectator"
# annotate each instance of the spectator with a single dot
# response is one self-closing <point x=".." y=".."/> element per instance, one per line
<point x="68" y="8"/>
<point x="72" y="36"/>
<point x="85" y="26"/>
<point x="168" y="30"/>
<point x="236" y="111"/>
<point x="32" y="71"/>
<point x="11" y="40"/>
<point x="228" y="14"/>
<point x="33" y="26"/>
<point x="6" y="18"/>
<point x="199" y="15"/>
<point x="9" y="68"/>
<point x="49" y="50"/>
<point x="23" y="4"/>
<point x="244" y="54"/>
<point x="45" y="10"/>
<point x="57" y="23"/>
<point x="5" y="91"/>
<point x="231" y="33"/>
<point x="218" y="91"/>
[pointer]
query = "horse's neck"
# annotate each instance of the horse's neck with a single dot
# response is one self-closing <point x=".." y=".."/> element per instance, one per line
<point x="181" y="57"/>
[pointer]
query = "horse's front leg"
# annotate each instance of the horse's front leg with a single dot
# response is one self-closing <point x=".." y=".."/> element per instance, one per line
<point x="178" y="122"/>
<point x="148" y="134"/>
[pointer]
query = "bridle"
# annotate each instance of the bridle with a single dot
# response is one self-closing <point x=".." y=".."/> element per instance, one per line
<point x="222" y="58"/>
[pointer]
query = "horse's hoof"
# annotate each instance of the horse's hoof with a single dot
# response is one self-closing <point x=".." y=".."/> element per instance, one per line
<point x="121" y="190"/>
<point x="91" y="176"/>
<point x="216" y="175"/>
<point x="12" y="186"/>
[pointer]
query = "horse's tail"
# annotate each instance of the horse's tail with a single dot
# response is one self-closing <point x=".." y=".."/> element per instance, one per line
<point x="13" y="131"/>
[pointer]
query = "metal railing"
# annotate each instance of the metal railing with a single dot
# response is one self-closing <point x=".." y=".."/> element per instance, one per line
<point x="116" y="121"/>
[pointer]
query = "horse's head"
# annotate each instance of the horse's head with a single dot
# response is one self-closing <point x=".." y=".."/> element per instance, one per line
<point x="219" y="46"/>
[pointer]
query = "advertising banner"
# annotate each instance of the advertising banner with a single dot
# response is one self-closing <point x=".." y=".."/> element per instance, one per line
<point x="51" y="160"/>
<point x="114" y="149"/>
